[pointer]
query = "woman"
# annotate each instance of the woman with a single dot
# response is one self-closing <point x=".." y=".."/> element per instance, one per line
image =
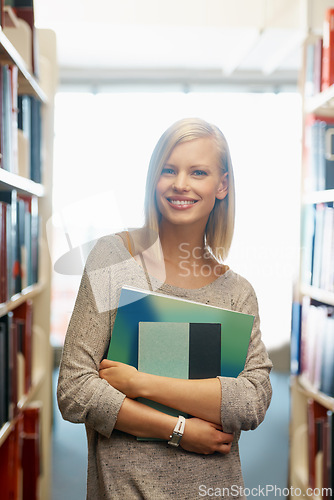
<point x="190" y="206"/>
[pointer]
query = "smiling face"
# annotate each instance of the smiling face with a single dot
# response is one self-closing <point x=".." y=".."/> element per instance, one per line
<point x="190" y="182"/>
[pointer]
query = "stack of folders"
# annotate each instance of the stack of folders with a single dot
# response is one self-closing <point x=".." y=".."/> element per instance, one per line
<point x="178" y="338"/>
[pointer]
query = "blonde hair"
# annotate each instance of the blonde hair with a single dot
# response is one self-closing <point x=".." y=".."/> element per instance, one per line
<point x="220" y="226"/>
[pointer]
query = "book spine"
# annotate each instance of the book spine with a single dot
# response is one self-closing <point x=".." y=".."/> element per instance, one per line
<point x="317" y="239"/>
<point x="3" y="253"/>
<point x="320" y="454"/>
<point x="31" y="451"/>
<point x="328" y="50"/>
<point x="10" y="463"/>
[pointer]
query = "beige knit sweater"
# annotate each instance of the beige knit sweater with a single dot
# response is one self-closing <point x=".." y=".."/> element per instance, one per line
<point x="119" y="466"/>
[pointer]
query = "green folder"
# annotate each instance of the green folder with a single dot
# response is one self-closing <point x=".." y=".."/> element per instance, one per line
<point x="137" y="306"/>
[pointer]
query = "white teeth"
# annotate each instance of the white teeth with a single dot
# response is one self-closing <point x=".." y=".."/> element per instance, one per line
<point x="178" y="202"/>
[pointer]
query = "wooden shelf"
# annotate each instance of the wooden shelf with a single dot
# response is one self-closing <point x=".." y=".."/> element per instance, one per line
<point x="321" y="103"/>
<point x="18" y="299"/>
<point x="8" y="180"/>
<point x="24" y="401"/>
<point x="300" y="480"/>
<point x="309" y="391"/>
<point x="27" y="83"/>
<point x="315" y="197"/>
<point x="302" y="390"/>
<point x="36" y="384"/>
<point x="318" y="294"/>
<point x="40" y="292"/>
<point x="5" y="431"/>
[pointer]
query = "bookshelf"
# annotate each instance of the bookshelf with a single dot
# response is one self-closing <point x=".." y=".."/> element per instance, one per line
<point x="25" y="207"/>
<point x="311" y="467"/>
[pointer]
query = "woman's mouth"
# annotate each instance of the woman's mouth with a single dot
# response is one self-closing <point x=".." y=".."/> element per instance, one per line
<point x="181" y="203"/>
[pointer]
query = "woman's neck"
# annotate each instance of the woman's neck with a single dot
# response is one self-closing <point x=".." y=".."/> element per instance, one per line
<point x="187" y="263"/>
<point x="178" y="241"/>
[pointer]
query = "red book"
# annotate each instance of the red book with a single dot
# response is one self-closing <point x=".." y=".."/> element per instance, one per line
<point x="328" y="51"/>
<point x="317" y="416"/>
<point x="317" y="76"/>
<point x="2" y="13"/>
<point x="10" y="463"/>
<point x="3" y="253"/>
<point x="13" y="72"/>
<point x="24" y="313"/>
<point x="13" y="340"/>
<point x="31" y="451"/>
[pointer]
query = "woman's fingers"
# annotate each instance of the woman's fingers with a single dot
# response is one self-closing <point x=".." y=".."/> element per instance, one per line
<point x="108" y="363"/>
<point x="205" y="437"/>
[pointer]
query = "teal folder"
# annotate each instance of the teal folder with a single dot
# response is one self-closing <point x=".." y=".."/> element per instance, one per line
<point x="163" y="349"/>
<point x="178" y="350"/>
<point x="137" y="306"/>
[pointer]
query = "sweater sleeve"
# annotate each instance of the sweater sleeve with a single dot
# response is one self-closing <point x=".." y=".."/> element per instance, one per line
<point x="245" y="399"/>
<point x="83" y="397"/>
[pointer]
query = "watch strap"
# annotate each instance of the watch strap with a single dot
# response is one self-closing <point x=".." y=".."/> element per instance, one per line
<point x="175" y="437"/>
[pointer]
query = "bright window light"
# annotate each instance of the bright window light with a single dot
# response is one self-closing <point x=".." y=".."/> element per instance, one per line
<point x="103" y="144"/>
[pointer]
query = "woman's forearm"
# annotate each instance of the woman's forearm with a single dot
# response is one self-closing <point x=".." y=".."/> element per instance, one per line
<point x="200" y="398"/>
<point x="199" y="435"/>
<point x="143" y="421"/>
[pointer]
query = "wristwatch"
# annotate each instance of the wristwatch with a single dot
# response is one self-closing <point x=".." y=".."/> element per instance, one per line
<point x="175" y="438"/>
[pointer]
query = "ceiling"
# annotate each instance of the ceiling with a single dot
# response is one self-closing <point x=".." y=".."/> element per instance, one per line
<point x="251" y="42"/>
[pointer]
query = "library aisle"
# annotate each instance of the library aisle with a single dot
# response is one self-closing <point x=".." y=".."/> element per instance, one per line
<point x="69" y="455"/>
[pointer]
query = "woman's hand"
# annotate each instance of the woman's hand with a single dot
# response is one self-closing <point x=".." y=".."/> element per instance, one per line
<point x="123" y="377"/>
<point x="205" y="437"/>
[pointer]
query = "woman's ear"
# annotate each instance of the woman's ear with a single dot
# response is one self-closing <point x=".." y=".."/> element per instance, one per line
<point x="223" y="187"/>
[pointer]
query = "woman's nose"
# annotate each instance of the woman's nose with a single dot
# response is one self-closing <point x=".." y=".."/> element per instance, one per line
<point x="181" y="182"/>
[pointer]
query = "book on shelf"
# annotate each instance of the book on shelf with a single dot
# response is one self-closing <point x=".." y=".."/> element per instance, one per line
<point x="313" y="66"/>
<point x="137" y="306"/>
<point x="328" y="50"/>
<point x="316" y="418"/>
<point x="31" y="449"/>
<point x="319" y="152"/>
<point x="3" y="375"/>
<point x="29" y="122"/>
<point x="326" y="384"/>
<point x="19" y="247"/>
<point x="20" y="3"/>
<point x="317" y="241"/>
<point x="20" y="128"/>
<point x="9" y="144"/>
<point x="329" y="452"/>
<point x="307" y="243"/>
<point x="3" y="253"/>
<point x="295" y="343"/>
<point x="10" y="463"/>
<point x="21" y="456"/>
<point x="8" y="357"/>
<point x="23" y="318"/>
<point x="318" y="244"/>
<point x="36" y="140"/>
<point x="24" y="135"/>
<point x="13" y="78"/>
<point x="319" y="58"/>
<point x="317" y="345"/>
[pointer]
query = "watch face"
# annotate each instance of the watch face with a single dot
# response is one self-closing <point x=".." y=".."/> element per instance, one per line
<point x="175" y="439"/>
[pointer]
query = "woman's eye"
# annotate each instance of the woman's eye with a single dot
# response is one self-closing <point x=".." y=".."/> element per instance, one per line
<point x="167" y="171"/>
<point x="199" y="173"/>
